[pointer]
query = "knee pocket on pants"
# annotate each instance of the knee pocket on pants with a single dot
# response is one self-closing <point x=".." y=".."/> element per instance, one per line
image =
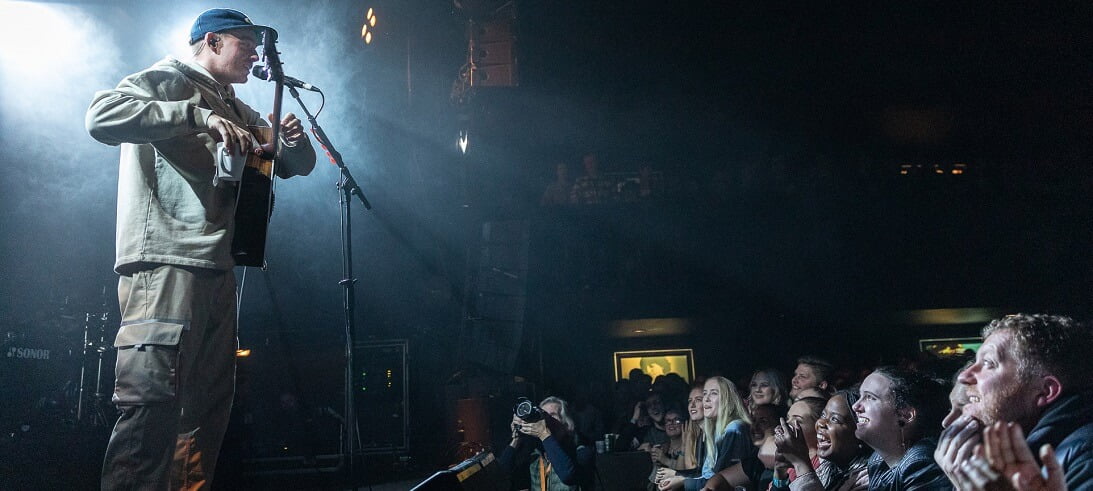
<point x="147" y="369"/>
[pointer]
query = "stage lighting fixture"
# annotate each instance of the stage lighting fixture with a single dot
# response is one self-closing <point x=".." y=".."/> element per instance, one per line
<point x="369" y="26"/>
<point x="36" y="38"/>
<point x="242" y="353"/>
<point x="464" y="139"/>
<point x="943" y="169"/>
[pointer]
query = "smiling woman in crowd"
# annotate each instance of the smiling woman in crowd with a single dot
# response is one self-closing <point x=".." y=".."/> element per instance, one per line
<point x="767" y="387"/>
<point x="728" y="437"/>
<point x="842" y="456"/>
<point x="899" y="413"/>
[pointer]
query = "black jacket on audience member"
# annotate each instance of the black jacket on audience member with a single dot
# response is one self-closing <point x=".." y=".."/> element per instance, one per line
<point x="1068" y="426"/>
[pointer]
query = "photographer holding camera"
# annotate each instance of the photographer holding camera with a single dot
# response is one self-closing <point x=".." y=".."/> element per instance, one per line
<point x="544" y="442"/>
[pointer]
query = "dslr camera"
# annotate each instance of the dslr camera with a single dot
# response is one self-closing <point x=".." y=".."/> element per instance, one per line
<point x="527" y="410"/>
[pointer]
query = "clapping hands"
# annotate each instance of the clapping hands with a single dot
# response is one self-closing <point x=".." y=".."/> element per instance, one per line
<point x="1004" y="461"/>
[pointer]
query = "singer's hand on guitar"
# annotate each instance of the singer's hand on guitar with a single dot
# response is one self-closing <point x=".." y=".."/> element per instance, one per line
<point x="237" y="139"/>
<point x="292" y="129"/>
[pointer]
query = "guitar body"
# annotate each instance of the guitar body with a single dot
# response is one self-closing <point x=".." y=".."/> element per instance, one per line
<point x="255" y="200"/>
<point x="254" y="206"/>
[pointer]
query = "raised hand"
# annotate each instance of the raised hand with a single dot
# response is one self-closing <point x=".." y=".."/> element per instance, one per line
<point x="655" y="452"/>
<point x="957" y="445"/>
<point x="790" y="440"/>
<point x="1007" y="452"/>
<point x="537" y="429"/>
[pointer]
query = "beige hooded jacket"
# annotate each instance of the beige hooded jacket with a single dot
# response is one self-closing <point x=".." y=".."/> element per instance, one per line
<point x="169" y="210"/>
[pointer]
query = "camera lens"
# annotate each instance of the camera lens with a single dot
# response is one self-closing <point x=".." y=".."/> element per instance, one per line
<point x="527" y="411"/>
<point x="523" y="409"/>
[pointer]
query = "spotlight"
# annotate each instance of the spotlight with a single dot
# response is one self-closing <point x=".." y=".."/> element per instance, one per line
<point x="242" y="353"/>
<point x="464" y="139"/>
<point x="369" y="26"/>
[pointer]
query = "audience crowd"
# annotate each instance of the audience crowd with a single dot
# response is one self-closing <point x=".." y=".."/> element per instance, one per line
<point x="783" y="176"/>
<point x="1018" y="414"/>
<point x="805" y="175"/>
<point x="593" y="187"/>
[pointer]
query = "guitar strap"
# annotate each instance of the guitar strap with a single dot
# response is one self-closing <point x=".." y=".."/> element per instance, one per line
<point x="543" y="470"/>
<point x="218" y="98"/>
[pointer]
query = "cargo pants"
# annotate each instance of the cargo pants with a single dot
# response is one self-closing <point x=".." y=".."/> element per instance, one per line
<point x="175" y="378"/>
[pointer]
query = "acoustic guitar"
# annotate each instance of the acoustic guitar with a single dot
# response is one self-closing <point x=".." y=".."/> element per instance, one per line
<point x="254" y="204"/>
<point x="255" y="199"/>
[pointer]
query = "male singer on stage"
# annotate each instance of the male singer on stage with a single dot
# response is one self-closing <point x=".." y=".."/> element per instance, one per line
<point x="177" y="340"/>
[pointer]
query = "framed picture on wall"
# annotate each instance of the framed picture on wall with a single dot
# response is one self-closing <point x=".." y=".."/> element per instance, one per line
<point x="950" y="347"/>
<point x="656" y="362"/>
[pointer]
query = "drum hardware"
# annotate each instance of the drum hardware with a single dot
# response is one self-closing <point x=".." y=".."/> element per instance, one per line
<point x="92" y="409"/>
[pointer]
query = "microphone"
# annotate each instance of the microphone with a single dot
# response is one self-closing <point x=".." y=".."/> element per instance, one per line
<point x="263" y="73"/>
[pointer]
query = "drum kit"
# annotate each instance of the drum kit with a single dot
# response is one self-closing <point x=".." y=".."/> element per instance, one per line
<point x="58" y="370"/>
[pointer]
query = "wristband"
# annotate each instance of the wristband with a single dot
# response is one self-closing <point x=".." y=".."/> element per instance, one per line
<point x="779" y="483"/>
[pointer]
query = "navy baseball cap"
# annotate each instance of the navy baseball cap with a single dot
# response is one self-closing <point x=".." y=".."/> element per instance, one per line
<point x="219" y="20"/>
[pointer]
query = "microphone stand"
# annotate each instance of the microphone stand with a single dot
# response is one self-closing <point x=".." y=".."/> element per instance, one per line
<point x="348" y="187"/>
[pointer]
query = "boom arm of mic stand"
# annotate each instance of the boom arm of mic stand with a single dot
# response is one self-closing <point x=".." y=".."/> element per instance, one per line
<point x="348" y="182"/>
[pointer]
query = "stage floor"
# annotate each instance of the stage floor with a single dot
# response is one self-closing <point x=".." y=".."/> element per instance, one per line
<point x="62" y="457"/>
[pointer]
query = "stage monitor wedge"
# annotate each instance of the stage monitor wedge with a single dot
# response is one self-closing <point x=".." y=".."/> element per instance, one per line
<point x="478" y="473"/>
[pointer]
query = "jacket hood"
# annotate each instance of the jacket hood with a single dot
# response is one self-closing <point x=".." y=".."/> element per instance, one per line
<point x="198" y="74"/>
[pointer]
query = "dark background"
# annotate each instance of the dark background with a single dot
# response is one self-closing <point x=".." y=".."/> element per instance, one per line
<point x="785" y="227"/>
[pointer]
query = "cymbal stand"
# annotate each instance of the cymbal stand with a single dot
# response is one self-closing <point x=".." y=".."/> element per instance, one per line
<point x="98" y="398"/>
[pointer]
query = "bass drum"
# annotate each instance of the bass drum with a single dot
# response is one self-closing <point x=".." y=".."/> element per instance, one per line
<point x="39" y="374"/>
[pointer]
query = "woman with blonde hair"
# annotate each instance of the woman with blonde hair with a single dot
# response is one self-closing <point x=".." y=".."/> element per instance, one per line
<point x="692" y="430"/>
<point x="767" y="387"/>
<point x="726" y="429"/>
<point x="693" y="442"/>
